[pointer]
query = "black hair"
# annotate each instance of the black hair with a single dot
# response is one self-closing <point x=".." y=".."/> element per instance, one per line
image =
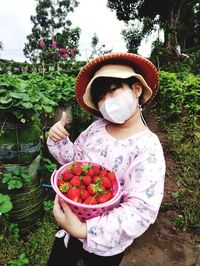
<point x="100" y="86"/>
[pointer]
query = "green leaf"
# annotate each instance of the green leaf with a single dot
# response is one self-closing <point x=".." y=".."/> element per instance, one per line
<point x="18" y="184"/>
<point x="47" y="108"/>
<point x="15" y="95"/>
<point x="5" y="100"/>
<point x="5" y="203"/>
<point x="27" y="105"/>
<point x="16" y="171"/>
<point x="5" y="179"/>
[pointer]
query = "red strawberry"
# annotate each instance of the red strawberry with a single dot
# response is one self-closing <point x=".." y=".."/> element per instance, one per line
<point x="102" y="198"/>
<point x="75" y="181"/>
<point x="73" y="194"/>
<point x="95" y="189"/>
<point x="91" y="189"/>
<point x="111" y="176"/>
<point x="86" y="179"/>
<point x="91" y="200"/>
<point x="80" y="200"/>
<point x="84" y="194"/>
<point x="65" y="187"/>
<point x="95" y="179"/>
<point x="60" y="182"/>
<point x="109" y="194"/>
<point x="67" y="175"/>
<point x="106" y="183"/>
<point x="83" y="187"/>
<point x="90" y="172"/>
<point x="103" y="172"/>
<point x="76" y="170"/>
<point x="96" y="169"/>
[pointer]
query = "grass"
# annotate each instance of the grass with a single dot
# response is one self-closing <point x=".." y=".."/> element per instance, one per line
<point x="185" y="151"/>
<point x="36" y="245"/>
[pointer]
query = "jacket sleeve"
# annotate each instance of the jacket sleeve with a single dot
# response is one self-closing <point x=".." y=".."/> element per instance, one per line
<point x="65" y="150"/>
<point x="113" y="232"/>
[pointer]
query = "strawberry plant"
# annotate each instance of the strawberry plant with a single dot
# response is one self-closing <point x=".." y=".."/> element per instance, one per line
<point x="5" y="203"/>
<point x="22" y="98"/>
<point x="48" y="205"/>
<point x="22" y="260"/>
<point x="14" y="231"/>
<point x="16" y="178"/>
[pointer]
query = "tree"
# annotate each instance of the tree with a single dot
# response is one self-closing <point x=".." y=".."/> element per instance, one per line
<point x="132" y="36"/>
<point x="165" y="14"/>
<point x="189" y="31"/>
<point x="94" y="44"/>
<point x="1" y="45"/>
<point x="49" y="25"/>
<point x="97" y="48"/>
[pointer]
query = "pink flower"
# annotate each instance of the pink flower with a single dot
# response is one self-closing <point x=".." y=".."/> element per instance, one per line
<point x="63" y="50"/>
<point x="54" y="44"/>
<point x="73" y="50"/>
<point x="65" y="55"/>
<point x="58" y="56"/>
<point x="42" y="43"/>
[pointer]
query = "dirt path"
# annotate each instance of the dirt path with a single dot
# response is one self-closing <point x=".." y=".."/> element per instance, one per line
<point x="162" y="244"/>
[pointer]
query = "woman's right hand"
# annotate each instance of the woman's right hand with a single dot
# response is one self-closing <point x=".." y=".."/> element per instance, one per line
<point x="58" y="131"/>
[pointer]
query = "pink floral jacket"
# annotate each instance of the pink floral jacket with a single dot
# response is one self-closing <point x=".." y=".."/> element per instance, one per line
<point x="139" y="164"/>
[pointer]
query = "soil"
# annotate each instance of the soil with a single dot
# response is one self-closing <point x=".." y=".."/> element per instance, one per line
<point x="163" y="244"/>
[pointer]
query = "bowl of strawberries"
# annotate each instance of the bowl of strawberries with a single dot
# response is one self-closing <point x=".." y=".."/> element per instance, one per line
<point x="90" y="189"/>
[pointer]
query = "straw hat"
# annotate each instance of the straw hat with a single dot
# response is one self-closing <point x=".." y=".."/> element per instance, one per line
<point x="118" y="65"/>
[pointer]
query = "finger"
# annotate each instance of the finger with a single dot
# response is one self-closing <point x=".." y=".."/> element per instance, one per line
<point x="67" y="210"/>
<point x="64" y="205"/>
<point x="62" y="129"/>
<point x="63" y="119"/>
<point x="57" y="209"/>
<point x="56" y="133"/>
<point x="55" y="139"/>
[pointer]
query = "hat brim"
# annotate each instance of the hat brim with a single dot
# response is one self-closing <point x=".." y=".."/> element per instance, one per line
<point x="141" y="66"/>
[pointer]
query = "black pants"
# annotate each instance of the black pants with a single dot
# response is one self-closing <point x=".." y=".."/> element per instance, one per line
<point x="62" y="256"/>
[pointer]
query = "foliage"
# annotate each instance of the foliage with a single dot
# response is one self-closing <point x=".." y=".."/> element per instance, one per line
<point x="5" y="203"/>
<point x="22" y="98"/>
<point x="67" y="67"/>
<point x="1" y="45"/>
<point x="51" y="24"/>
<point x="16" y="178"/>
<point x="170" y="16"/>
<point x="189" y="28"/>
<point x="71" y="68"/>
<point x="82" y="118"/>
<point x="60" y="88"/>
<point x="132" y="36"/>
<point x="186" y="200"/>
<point x="52" y="53"/>
<point x="47" y="165"/>
<point x="14" y="231"/>
<point x="27" y="94"/>
<point x="195" y="61"/>
<point x="189" y="61"/>
<point x="48" y="205"/>
<point x="179" y="98"/>
<point x="178" y="106"/>
<point x="35" y="247"/>
<point x="22" y="260"/>
<point x="94" y="45"/>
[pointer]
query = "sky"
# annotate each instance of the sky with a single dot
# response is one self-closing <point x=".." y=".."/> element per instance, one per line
<point x="91" y="16"/>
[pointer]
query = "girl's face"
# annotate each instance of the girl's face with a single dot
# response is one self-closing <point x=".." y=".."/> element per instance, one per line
<point x="112" y="92"/>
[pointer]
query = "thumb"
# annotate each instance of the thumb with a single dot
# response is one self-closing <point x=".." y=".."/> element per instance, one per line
<point x="63" y="119"/>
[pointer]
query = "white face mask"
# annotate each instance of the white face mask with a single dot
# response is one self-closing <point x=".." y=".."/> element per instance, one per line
<point x="119" y="108"/>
